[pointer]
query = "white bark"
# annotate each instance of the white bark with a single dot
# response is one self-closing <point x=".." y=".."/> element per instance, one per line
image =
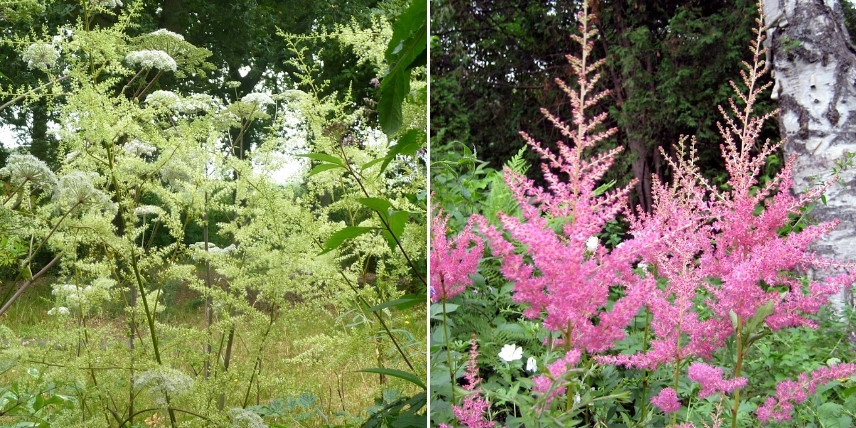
<point x="814" y="65"/>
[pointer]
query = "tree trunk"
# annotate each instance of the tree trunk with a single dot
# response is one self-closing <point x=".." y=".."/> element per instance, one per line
<point x="814" y="67"/>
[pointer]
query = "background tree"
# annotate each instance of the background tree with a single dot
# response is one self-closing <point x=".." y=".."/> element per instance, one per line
<point x="814" y="62"/>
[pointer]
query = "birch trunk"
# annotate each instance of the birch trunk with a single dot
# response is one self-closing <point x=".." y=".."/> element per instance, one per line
<point x="814" y="66"/>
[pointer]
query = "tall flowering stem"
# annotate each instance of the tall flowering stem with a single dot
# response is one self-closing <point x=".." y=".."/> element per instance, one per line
<point x="452" y="263"/>
<point x="559" y="278"/>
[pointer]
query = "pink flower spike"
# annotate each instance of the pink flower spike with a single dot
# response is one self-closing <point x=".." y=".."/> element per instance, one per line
<point x="711" y="380"/>
<point x="452" y="261"/>
<point x="667" y="401"/>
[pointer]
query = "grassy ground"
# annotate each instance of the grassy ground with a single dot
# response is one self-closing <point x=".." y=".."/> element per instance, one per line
<point x="310" y="361"/>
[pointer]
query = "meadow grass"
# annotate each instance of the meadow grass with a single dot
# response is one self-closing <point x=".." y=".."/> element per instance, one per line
<point x="313" y="353"/>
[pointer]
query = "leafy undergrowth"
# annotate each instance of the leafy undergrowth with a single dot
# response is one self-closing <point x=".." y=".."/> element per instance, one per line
<point x="310" y="367"/>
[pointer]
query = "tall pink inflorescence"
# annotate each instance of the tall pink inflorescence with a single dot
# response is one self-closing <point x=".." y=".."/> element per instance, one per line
<point x="561" y="280"/>
<point x="724" y="246"/>
<point x="452" y="261"/>
<point x="472" y="413"/>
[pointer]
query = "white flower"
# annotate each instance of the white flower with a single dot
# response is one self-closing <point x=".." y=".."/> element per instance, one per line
<point x="109" y="4"/>
<point x="28" y="168"/>
<point x="531" y="365"/>
<point x="196" y="103"/>
<point x="162" y="98"/>
<point x="591" y="244"/>
<point x="164" y="381"/>
<point x="139" y="148"/>
<point x="511" y="353"/>
<point x="165" y="32"/>
<point x="152" y="58"/>
<point x="62" y="310"/>
<point x="40" y="56"/>
<point x="257" y="98"/>
<point x="146" y="210"/>
<point x="243" y="418"/>
<point x="643" y="266"/>
<point x="77" y="188"/>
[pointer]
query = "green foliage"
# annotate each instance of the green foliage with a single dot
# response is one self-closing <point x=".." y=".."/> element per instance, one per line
<point x="179" y="262"/>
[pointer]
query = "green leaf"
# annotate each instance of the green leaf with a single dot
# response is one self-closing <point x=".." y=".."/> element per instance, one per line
<point x="393" y="89"/>
<point x="323" y="157"/>
<point x="307" y="400"/>
<point x="404" y="302"/>
<point x="339" y="237"/>
<point x="603" y="188"/>
<point x="407" y="144"/>
<point x="323" y="167"/>
<point x="380" y="205"/>
<point x="406" y="50"/>
<point x="410" y="377"/>
<point x="396" y="223"/>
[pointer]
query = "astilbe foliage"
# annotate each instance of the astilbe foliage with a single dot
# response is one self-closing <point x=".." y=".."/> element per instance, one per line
<point x="558" y="278"/>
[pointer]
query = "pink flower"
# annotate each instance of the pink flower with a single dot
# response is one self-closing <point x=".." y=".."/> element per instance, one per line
<point x="544" y="385"/>
<point x="711" y="380"/>
<point x="452" y="261"/>
<point x="790" y="392"/>
<point x="667" y="400"/>
<point x="471" y="414"/>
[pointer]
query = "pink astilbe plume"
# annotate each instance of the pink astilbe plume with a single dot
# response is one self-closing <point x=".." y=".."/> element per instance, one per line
<point x="452" y="261"/>
<point x="711" y="380"/>
<point x="472" y="413"/>
<point x="718" y="249"/>
<point x="558" y="278"/>
<point x="553" y="385"/>
<point x="667" y="400"/>
<point x="790" y="392"/>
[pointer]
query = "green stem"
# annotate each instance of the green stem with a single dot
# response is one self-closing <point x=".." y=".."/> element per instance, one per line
<point x="737" y="369"/>
<point x="448" y="351"/>
<point x="645" y="371"/>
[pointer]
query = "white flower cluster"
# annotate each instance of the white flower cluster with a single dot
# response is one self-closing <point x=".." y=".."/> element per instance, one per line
<point x="200" y="254"/>
<point x="148" y="210"/>
<point x="108" y="4"/>
<point x="196" y="103"/>
<point x="152" y="58"/>
<point x="259" y="99"/>
<point x="139" y="148"/>
<point x="22" y="168"/>
<point x="77" y="188"/>
<point x="83" y="298"/>
<point x="41" y="56"/>
<point x="164" y="381"/>
<point x="243" y="418"/>
<point x="61" y="310"/>
<point x="165" y="32"/>
<point x="162" y="99"/>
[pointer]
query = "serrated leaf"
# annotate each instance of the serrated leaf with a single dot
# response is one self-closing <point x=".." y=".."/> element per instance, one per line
<point x="410" y="377"/>
<point x="306" y="400"/>
<point x="323" y="157"/>
<point x="380" y="205"/>
<point x="393" y="89"/>
<point x="397" y="221"/>
<point x="406" y="49"/>
<point x="407" y="144"/>
<point x="339" y="237"/>
<point x="404" y="302"/>
<point x="323" y="167"/>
